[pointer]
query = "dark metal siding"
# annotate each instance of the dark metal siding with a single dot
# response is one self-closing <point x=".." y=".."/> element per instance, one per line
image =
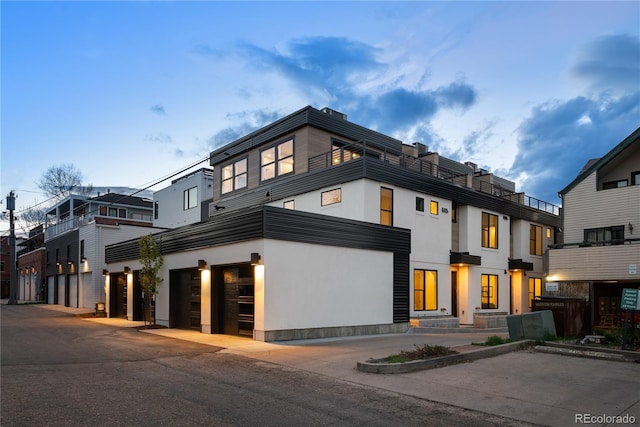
<point x="400" y="287"/>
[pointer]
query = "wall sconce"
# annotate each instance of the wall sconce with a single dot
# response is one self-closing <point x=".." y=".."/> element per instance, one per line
<point x="69" y="262"/>
<point x="218" y="207"/>
<point x="255" y="258"/>
<point x="630" y="228"/>
<point x="105" y="272"/>
<point x="505" y="271"/>
<point x="57" y="263"/>
<point x="202" y="264"/>
<point x="127" y="270"/>
<point x="83" y="258"/>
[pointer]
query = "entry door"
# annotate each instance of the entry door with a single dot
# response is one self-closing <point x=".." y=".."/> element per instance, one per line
<point x="233" y="300"/>
<point x="118" y="296"/>
<point x="184" y="293"/>
<point x="454" y="293"/>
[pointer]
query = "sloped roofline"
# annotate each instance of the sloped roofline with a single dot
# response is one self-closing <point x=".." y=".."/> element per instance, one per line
<point x="615" y="151"/>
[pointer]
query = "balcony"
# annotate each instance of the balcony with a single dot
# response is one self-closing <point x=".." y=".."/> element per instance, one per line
<point x="70" y="224"/>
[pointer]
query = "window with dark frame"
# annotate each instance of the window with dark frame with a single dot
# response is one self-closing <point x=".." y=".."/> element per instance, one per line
<point x="604" y="235"/>
<point x="190" y="198"/>
<point x="156" y="209"/>
<point x="434" y="207"/>
<point x="386" y="206"/>
<point x="425" y="290"/>
<point x="277" y="160"/>
<point x="489" y="291"/>
<point x="489" y="230"/>
<point x="535" y="289"/>
<point x="341" y="152"/>
<point x="535" y="240"/>
<point x="289" y="204"/>
<point x="234" y="176"/>
<point x="419" y="204"/>
<point x="635" y="178"/>
<point x="615" y="184"/>
<point x="331" y="197"/>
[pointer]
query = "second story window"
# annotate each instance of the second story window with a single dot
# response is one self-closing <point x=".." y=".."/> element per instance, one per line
<point x="277" y="160"/>
<point x="489" y="230"/>
<point x="605" y="235"/>
<point x="386" y="206"/>
<point x="234" y="176"/>
<point x="434" y="207"/>
<point x="535" y="240"/>
<point x="190" y="198"/>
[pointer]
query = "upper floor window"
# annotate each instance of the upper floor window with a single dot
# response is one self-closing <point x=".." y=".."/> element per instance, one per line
<point x="234" y="176"/>
<point x="386" y="206"/>
<point x="156" y="209"/>
<point x="635" y="178"/>
<point x="112" y="211"/>
<point x="615" y="184"/>
<point x="419" y="204"/>
<point x="489" y="291"/>
<point x="341" y="153"/>
<point x="535" y="240"/>
<point x="190" y="198"/>
<point x="489" y="230"/>
<point x="605" y="235"/>
<point x="331" y="197"/>
<point x="434" y="207"/>
<point x="277" y="160"/>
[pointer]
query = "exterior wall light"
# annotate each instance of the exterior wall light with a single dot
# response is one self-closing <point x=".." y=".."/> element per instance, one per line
<point x="127" y="270"/>
<point x="255" y="258"/>
<point x="105" y="272"/>
<point x="202" y="264"/>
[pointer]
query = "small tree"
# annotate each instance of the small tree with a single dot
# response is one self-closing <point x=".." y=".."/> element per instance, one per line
<point x="151" y="261"/>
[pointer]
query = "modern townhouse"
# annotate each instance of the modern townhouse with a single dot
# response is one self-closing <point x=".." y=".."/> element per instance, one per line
<point x="183" y="202"/>
<point x="76" y="231"/>
<point x="321" y="227"/>
<point x="601" y="224"/>
<point x="31" y="266"/>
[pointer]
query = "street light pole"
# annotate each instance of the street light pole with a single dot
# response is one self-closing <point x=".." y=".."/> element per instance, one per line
<point x="11" y="205"/>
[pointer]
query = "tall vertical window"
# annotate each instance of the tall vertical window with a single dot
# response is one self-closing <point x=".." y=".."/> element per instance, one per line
<point x="489" y="291"/>
<point x="386" y="206"/>
<point x="156" y="209"/>
<point x="434" y="207"/>
<point x="234" y="176"/>
<point x="190" y="198"/>
<point x="425" y="290"/>
<point x="535" y="240"/>
<point x="489" y="230"/>
<point x="535" y="288"/>
<point x="277" y="160"/>
<point x="635" y="178"/>
<point x="419" y="204"/>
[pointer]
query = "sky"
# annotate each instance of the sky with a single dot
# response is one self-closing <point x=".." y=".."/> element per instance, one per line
<point x="131" y="93"/>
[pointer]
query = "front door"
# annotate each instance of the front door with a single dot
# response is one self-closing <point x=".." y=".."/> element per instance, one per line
<point x="454" y="293"/>
<point x="233" y="300"/>
<point x="118" y="296"/>
<point x="184" y="307"/>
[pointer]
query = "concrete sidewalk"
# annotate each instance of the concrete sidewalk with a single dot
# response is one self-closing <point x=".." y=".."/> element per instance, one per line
<point x="537" y="388"/>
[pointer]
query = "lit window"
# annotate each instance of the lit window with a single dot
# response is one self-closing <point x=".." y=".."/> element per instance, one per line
<point x="425" y="290"/>
<point x="234" y="176"/>
<point x="548" y="233"/>
<point x="535" y="289"/>
<point x="190" y="198"/>
<point x="386" y="206"/>
<point x="489" y="291"/>
<point x="433" y="208"/>
<point x="535" y="240"/>
<point x="489" y="230"/>
<point x="331" y="197"/>
<point x="277" y="160"/>
<point x="289" y="204"/>
<point x="419" y="204"/>
<point x="341" y="153"/>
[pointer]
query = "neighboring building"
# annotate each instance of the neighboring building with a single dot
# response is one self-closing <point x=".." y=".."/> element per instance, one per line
<point x="321" y="227"/>
<point x="601" y="251"/>
<point x="185" y="201"/>
<point x="31" y="267"/>
<point x="76" y="232"/>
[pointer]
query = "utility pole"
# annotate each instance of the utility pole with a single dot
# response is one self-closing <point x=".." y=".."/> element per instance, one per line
<point x="13" y="288"/>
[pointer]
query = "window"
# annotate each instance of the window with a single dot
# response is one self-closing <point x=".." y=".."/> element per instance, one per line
<point x="234" y="176"/>
<point x="548" y="232"/>
<point x="535" y="289"/>
<point x="156" y="208"/>
<point x="122" y="213"/>
<point x="331" y="197"/>
<point x="277" y="160"/>
<point x="425" y="290"/>
<point x="489" y="291"/>
<point x="434" y="208"/>
<point x="289" y="204"/>
<point x="190" y="198"/>
<point x="386" y="206"/>
<point x="615" y="184"/>
<point x="489" y="230"/>
<point x="635" y="178"/>
<point x="103" y="210"/>
<point x="535" y="240"/>
<point x="605" y="235"/>
<point x="419" y="204"/>
<point x="340" y="153"/>
<point x="81" y="249"/>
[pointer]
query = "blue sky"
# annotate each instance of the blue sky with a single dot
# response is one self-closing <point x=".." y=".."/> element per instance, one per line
<point x="130" y="92"/>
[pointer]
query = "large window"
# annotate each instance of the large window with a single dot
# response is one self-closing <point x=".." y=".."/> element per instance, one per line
<point x="489" y="230"/>
<point x="535" y="240"/>
<point x="340" y="153"/>
<point x="489" y="291"/>
<point x="234" y="176"/>
<point x="386" y="206"/>
<point x="615" y="184"/>
<point x="277" y="160"/>
<point x="425" y="290"/>
<point x="535" y="289"/>
<point x="605" y="235"/>
<point x="190" y="198"/>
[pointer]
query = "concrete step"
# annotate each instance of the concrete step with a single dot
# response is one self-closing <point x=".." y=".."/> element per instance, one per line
<point x="436" y="322"/>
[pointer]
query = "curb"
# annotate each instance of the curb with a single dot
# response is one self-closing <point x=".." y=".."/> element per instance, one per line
<point x="377" y="366"/>
<point x="589" y="353"/>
